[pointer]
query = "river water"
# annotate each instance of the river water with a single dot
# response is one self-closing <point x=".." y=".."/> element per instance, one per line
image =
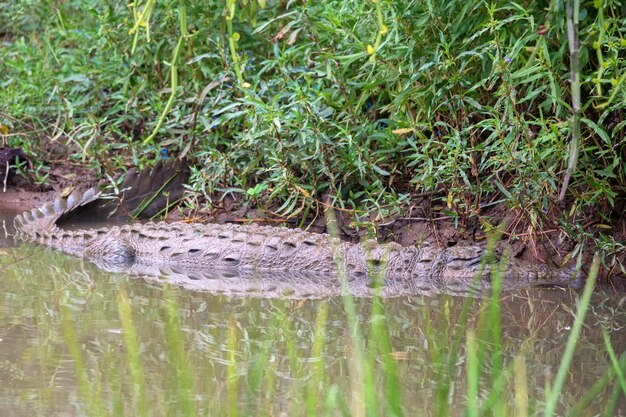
<point x="78" y="341"/>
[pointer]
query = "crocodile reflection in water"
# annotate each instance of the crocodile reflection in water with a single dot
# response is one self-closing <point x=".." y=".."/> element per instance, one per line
<point x="273" y="262"/>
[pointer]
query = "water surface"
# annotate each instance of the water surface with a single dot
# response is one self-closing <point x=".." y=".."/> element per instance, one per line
<point x="75" y="340"/>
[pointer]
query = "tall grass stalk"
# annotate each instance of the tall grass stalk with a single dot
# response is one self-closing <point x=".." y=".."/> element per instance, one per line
<point x="313" y="401"/>
<point x="364" y="398"/>
<point x="583" y="306"/>
<point x="261" y="373"/>
<point x="494" y="324"/>
<point x="382" y="350"/>
<point x="180" y="378"/>
<point x="573" y="13"/>
<point x="233" y="38"/>
<point x="269" y="391"/>
<point x="596" y="389"/>
<point x="614" y="361"/>
<point x="92" y="396"/>
<point x="447" y="358"/>
<point x="617" y="392"/>
<point x="173" y="90"/>
<point x="521" y="385"/>
<point x="473" y="374"/>
<point x="232" y="370"/>
<point x="133" y="353"/>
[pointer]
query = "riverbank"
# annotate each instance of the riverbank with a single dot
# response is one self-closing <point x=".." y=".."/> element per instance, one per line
<point x="413" y="121"/>
<point x="424" y="220"/>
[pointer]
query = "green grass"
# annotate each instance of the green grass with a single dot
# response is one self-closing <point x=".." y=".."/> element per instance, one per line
<point x="583" y="306"/>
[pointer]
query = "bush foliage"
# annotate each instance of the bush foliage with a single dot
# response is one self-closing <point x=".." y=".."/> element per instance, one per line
<point x="365" y="103"/>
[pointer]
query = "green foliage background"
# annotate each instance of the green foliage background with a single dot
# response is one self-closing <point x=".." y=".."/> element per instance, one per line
<point x="363" y="102"/>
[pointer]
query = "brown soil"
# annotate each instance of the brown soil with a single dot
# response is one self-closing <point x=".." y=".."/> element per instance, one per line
<point x="18" y="192"/>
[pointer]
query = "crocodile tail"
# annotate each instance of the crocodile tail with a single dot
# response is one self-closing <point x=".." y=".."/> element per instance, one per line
<point x="143" y="194"/>
<point x="149" y="192"/>
<point x="36" y="221"/>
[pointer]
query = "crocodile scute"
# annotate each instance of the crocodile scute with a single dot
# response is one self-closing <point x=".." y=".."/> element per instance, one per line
<point x="272" y="261"/>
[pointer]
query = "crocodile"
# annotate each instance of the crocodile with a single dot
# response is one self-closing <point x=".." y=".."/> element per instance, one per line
<point x="269" y="261"/>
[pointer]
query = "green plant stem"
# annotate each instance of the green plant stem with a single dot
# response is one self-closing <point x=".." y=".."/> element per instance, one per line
<point x="317" y="365"/>
<point x="173" y="87"/>
<point x="598" y="78"/>
<point x="473" y="374"/>
<point x="573" y="10"/>
<point x="232" y="373"/>
<point x="596" y="389"/>
<point x="232" y="41"/>
<point x="183" y="19"/>
<point x="141" y="18"/>
<point x="133" y="352"/>
<point x="181" y="374"/>
<point x="583" y="305"/>
<point x="616" y="392"/>
<point x="393" y="399"/>
<point x="614" y="361"/>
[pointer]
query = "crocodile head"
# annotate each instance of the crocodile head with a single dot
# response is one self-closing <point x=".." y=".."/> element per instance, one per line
<point x="111" y="254"/>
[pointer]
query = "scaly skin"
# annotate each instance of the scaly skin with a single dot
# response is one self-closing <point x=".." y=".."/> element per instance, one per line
<point x="272" y="262"/>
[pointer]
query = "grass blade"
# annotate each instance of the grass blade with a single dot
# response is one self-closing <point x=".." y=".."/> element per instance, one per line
<point x="573" y="338"/>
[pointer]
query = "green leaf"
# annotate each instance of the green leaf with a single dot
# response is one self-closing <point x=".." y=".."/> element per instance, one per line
<point x="597" y="129"/>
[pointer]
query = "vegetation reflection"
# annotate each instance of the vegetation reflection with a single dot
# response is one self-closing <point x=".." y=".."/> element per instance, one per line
<point x="106" y="345"/>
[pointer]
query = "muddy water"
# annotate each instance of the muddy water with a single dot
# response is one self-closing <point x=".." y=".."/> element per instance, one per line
<point x="6" y="226"/>
<point x="77" y="341"/>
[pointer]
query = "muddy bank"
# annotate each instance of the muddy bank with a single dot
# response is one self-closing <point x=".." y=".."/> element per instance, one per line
<point x="24" y="193"/>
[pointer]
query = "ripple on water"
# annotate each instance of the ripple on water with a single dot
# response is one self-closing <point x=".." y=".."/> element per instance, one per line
<point x="67" y="329"/>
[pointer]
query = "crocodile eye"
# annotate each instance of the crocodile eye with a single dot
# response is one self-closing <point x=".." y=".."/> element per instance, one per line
<point x="194" y="251"/>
